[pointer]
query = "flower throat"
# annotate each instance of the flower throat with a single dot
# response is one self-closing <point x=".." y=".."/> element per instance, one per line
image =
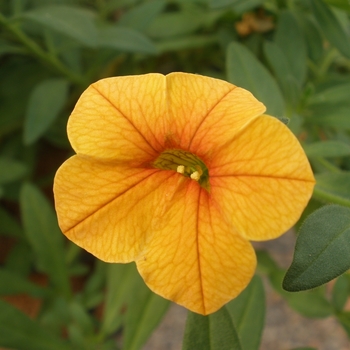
<point x="185" y="163"/>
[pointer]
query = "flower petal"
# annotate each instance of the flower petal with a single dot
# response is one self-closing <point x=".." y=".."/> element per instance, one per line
<point x="120" y="118"/>
<point x="195" y="258"/>
<point x="262" y="179"/>
<point x="107" y="209"/>
<point x="205" y="112"/>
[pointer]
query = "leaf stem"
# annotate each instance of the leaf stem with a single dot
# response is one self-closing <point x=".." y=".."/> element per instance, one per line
<point x="41" y="54"/>
<point x="324" y="196"/>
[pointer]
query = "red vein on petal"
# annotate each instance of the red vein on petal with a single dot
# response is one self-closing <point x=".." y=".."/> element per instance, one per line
<point x="121" y="194"/>
<point x="126" y="118"/>
<point x="206" y="116"/>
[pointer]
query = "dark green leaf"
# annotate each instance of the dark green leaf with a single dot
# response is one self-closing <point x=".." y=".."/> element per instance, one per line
<point x="313" y="38"/>
<point x="9" y="225"/>
<point x="334" y="115"/>
<point x="125" y="40"/>
<point x="327" y="149"/>
<point x="283" y="72"/>
<point x="248" y="314"/>
<point x="333" y="187"/>
<point x="140" y="17"/>
<point x="11" y="170"/>
<point x="12" y="283"/>
<point x="322" y="250"/>
<point x="214" y="4"/>
<point x="18" y="331"/>
<point x="121" y="280"/>
<point x="45" y="104"/>
<point x="44" y="235"/>
<point x="342" y="4"/>
<point x="334" y="94"/>
<point x="144" y="311"/>
<point x="74" y="22"/>
<point x="290" y="40"/>
<point x="213" y="332"/>
<point x="244" y="70"/>
<point x="187" y="42"/>
<point x="330" y="27"/>
<point x="340" y="292"/>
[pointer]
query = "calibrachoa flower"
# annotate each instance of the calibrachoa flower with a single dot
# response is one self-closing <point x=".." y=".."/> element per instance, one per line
<point x="178" y="173"/>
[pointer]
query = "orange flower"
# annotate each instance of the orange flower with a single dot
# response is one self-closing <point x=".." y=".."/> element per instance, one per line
<point x="177" y="173"/>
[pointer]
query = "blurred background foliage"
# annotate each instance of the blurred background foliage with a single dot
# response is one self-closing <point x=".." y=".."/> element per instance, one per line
<point x="292" y="55"/>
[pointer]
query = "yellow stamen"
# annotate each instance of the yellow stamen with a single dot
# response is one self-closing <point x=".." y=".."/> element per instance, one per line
<point x="181" y="169"/>
<point x="195" y="176"/>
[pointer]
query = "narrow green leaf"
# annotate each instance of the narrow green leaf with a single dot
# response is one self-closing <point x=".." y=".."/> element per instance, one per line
<point x="342" y="4"/>
<point x="340" y="292"/>
<point x="187" y="42"/>
<point x="333" y="187"/>
<point x="324" y="235"/>
<point x="283" y="72"/>
<point x="18" y="331"/>
<point x="121" y="280"/>
<point x="141" y="16"/>
<point x="289" y="38"/>
<point x="334" y="94"/>
<point x="44" y="235"/>
<point x="330" y="27"/>
<point x="13" y="283"/>
<point x="244" y="70"/>
<point x="145" y="310"/>
<point x="125" y="40"/>
<point x="313" y="37"/>
<point x="44" y="106"/>
<point x="327" y="149"/>
<point x="11" y="170"/>
<point x="213" y="332"/>
<point x="248" y="314"/>
<point x="335" y="115"/>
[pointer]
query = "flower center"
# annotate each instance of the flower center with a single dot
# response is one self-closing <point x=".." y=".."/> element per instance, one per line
<point x="185" y="163"/>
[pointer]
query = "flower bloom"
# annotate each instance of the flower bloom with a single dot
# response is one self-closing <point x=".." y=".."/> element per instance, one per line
<point x="178" y="173"/>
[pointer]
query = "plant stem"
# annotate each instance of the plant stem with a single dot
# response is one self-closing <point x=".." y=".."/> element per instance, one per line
<point x="41" y="54"/>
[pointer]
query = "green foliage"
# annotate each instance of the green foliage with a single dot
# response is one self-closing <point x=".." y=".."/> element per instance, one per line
<point x="213" y="332"/>
<point x="293" y="55"/>
<point x="324" y="235"/>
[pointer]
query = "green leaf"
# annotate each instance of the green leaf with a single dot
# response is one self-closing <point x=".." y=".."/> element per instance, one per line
<point x="344" y="319"/>
<point x="74" y="22"/>
<point x="121" y="280"/>
<point x="18" y="331"/>
<point x="290" y="40"/>
<point x="175" y="24"/>
<point x="141" y="16"/>
<point x="248" y="314"/>
<point x="330" y="27"/>
<point x="9" y="225"/>
<point x="125" y="40"/>
<point x="214" y="4"/>
<point x="244" y="70"/>
<point x="283" y="72"/>
<point x="313" y="38"/>
<point x="327" y="149"/>
<point x="187" y="42"/>
<point x="334" y="115"/>
<point x="44" y="235"/>
<point x="213" y="332"/>
<point x="340" y="292"/>
<point x="11" y="170"/>
<point x="333" y="187"/>
<point x="324" y="235"/>
<point x="13" y="283"/>
<point x="311" y="303"/>
<point x="342" y="4"/>
<point x="333" y="94"/>
<point x="44" y="106"/>
<point x="145" y="310"/>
